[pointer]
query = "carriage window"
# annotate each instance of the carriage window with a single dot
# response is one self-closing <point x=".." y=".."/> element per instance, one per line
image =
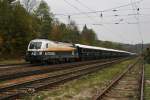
<point x="35" y="45"/>
<point x="46" y="45"/>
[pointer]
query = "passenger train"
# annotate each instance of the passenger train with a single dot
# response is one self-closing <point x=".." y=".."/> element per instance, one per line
<point x="43" y="50"/>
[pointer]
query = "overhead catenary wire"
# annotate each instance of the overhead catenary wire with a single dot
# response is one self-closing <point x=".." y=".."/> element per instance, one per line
<point x="105" y="25"/>
<point x="99" y="11"/>
<point x="76" y="9"/>
<point x="139" y="29"/>
<point x="135" y="9"/>
<point x="137" y="17"/>
<point x="79" y="14"/>
<point x="107" y="10"/>
<point x="109" y="16"/>
<point x="101" y="16"/>
<point x="84" y="5"/>
<point x="99" y="24"/>
<point x="139" y="25"/>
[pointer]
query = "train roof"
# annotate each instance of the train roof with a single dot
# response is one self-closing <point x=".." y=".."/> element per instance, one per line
<point x="101" y="48"/>
<point x="39" y="40"/>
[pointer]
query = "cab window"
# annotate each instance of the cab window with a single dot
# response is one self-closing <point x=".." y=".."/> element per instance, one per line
<point x="35" y="45"/>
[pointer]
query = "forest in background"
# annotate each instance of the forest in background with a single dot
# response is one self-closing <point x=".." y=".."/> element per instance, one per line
<point x="22" y="21"/>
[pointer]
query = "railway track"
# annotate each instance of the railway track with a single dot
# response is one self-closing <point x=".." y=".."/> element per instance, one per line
<point x="17" y="72"/>
<point x="24" y="65"/>
<point x="5" y="66"/>
<point x="9" y="66"/>
<point x="13" y="88"/>
<point x="127" y="86"/>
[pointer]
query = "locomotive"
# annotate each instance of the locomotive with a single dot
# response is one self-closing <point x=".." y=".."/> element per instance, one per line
<point x="43" y="50"/>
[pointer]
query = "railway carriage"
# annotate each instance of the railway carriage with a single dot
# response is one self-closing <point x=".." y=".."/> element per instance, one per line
<point x="42" y="50"/>
<point x="92" y="52"/>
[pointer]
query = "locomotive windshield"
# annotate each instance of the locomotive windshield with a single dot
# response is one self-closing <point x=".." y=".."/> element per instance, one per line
<point x="35" y="45"/>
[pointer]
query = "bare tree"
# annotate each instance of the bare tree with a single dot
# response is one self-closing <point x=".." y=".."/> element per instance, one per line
<point x="30" y="5"/>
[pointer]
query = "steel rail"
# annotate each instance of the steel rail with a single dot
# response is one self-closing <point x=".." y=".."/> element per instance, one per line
<point x="19" y="64"/>
<point x="51" y="82"/>
<point x="34" y="70"/>
<point x="59" y="73"/>
<point x="142" y="83"/>
<point x="65" y="75"/>
<point x="100" y="96"/>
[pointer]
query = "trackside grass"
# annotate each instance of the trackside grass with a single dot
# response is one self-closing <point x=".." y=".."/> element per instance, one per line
<point x="83" y="88"/>
<point x="147" y="82"/>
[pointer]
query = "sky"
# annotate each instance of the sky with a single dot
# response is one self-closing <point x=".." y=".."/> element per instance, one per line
<point x="125" y="21"/>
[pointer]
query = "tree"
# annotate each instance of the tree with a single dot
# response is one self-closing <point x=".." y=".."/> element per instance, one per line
<point x="10" y="1"/>
<point x="30" y="5"/>
<point x="73" y="32"/>
<point x="147" y="55"/>
<point x="1" y="40"/>
<point x="43" y="12"/>
<point x="56" y="33"/>
<point x="17" y="28"/>
<point x="1" y="44"/>
<point x="88" y="36"/>
<point x="6" y="23"/>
